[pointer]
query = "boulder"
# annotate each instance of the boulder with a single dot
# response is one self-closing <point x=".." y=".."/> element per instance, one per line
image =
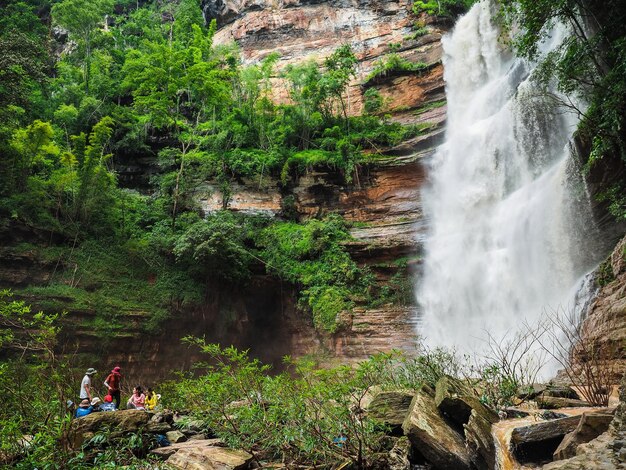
<point x="514" y="413"/>
<point x="431" y="436"/>
<point x="191" y="426"/>
<point x="451" y="397"/>
<point x="163" y="417"/>
<point x="123" y="421"/>
<point x="537" y="442"/>
<point x="157" y="428"/>
<point x="559" y="391"/>
<point x="591" y="425"/>
<point x="595" y="455"/>
<point x="528" y="392"/>
<point x="175" y="437"/>
<point x="551" y="403"/>
<point x="165" y="452"/>
<point x="479" y="440"/>
<point x="457" y="402"/>
<point x="209" y="458"/>
<point x="399" y="455"/>
<point x="390" y="407"/>
<point x="549" y="415"/>
<point x="396" y="457"/>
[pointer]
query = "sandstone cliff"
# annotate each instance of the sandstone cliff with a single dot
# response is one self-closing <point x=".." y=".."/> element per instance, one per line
<point x="604" y="327"/>
<point x="384" y="205"/>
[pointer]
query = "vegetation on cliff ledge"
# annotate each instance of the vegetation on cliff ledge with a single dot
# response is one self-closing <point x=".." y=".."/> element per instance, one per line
<point x="90" y="88"/>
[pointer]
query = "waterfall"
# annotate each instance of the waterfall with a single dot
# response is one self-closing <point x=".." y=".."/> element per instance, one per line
<point x="502" y="243"/>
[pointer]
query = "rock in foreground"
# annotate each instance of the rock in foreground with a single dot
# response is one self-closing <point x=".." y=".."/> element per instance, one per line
<point x="429" y="433"/>
<point x="119" y="422"/>
<point x="591" y="425"/>
<point x="537" y="442"/>
<point x="210" y="458"/>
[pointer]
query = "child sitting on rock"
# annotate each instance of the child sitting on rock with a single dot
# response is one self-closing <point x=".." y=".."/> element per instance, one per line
<point x="108" y="404"/>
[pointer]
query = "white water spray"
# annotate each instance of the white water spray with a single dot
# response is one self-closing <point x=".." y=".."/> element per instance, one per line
<point x="500" y="245"/>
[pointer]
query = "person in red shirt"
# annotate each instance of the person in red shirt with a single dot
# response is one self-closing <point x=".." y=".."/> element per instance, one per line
<point x="113" y="383"/>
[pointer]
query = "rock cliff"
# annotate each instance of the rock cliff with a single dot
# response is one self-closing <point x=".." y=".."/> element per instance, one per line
<point x="383" y="205"/>
<point x="604" y="327"/>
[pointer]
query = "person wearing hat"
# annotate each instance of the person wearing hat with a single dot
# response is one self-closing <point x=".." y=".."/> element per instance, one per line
<point x="85" y="385"/>
<point x="84" y="408"/>
<point x="113" y="383"/>
<point x="108" y="404"/>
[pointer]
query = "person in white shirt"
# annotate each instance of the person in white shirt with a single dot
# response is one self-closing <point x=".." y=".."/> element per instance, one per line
<point x="85" y="385"/>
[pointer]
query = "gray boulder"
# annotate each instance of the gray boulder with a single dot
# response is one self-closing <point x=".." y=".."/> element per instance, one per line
<point x="479" y="440"/>
<point x="591" y="425"/>
<point x="431" y="436"/>
<point x="165" y="452"/>
<point x="210" y="458"/>
<point x="119" y="422"/>
<point x="390" y="407"/>
<point x="537" y="442"/>
<point x="547" y="402"/>
<point x="175" y="437"/>
<point x="457" y="402"/>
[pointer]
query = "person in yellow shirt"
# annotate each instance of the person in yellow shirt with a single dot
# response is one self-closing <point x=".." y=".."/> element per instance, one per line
<point x="151" y="399"/>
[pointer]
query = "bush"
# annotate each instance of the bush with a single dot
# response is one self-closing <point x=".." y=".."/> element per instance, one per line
<point x="296" y="416"/>
<point x="393" y="63"/>
<point x="312" y="257"/>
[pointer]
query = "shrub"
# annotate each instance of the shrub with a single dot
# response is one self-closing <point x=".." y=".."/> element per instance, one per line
<point x="393" y="63"/>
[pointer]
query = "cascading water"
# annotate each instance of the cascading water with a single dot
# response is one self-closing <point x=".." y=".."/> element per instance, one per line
<point x="500" y="247"/>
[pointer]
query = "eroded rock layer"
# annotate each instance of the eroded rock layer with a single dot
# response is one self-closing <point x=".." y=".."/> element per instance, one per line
<point x="604" y="328"/>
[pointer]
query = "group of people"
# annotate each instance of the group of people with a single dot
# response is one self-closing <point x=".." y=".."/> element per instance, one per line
<point x="89" y="403"/>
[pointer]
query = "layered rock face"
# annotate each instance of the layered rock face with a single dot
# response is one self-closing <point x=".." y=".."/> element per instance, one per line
<point x="383" y="202"/>
<point x="302" y="30"/>
<point x="604" y="327"/>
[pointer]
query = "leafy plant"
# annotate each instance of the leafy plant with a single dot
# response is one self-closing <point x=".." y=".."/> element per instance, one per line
<point x="391" y="64"/>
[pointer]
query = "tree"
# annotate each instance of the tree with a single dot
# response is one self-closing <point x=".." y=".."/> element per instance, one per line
<point x="590" y="65"/>
<point x="24" y="58"/>
<point x="340" y="69"/>
<point x="215" y="248"/>
<point x="34" y="148"/>
<point x="82" y="18"/>
<point x="588" y="364"/>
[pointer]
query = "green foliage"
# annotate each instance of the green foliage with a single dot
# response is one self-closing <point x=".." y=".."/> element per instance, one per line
<point x="311" y="256"/>
<point x="442" y="7"/>
<point x="34" y="420"/>
<point x="373" y="100"/>
<point x="82" y="19"/>
<point x="145" y="80"/>
<point x="393" y="64"/>
<point x="114" y="280"/>
<point x="604" y="273"/>
<point x="215" y="247"/>
<point x="30" y="365"/>
<point x="295" y="416"/>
